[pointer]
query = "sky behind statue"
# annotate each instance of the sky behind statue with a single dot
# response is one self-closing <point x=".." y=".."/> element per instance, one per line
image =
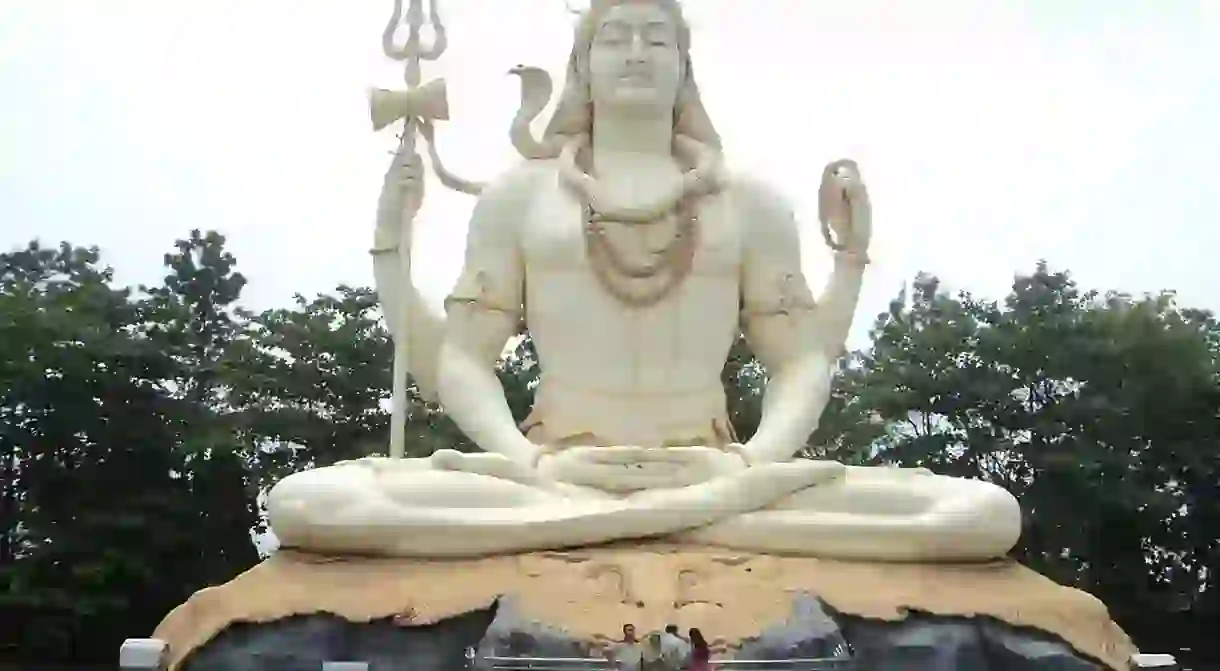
<point x="992" y="133"/>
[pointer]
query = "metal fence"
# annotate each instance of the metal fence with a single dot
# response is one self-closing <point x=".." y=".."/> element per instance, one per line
<point x="150" y="655"/>
<point x="600" y="664"/>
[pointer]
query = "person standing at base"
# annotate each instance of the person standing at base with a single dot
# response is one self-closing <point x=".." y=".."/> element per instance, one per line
<point x="652" y="657"/>
<point x="628" y="654"/>
<point x="700" y="653"/>
<point x="674" y="649"/>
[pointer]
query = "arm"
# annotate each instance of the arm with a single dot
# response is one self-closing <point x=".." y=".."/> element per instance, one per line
<point x="795" y="337"/>
<point x="402" y="193"/>
<point x="484" y="311"/>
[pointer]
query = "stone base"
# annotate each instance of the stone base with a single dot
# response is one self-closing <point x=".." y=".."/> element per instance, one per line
<point x="918" y="643"/>
<point x="296" y="610"/>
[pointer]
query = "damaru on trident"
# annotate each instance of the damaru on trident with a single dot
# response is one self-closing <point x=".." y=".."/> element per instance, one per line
<point x="635" y="257"/>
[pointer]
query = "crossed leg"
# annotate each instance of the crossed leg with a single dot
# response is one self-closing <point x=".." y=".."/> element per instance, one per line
<point x="411" y="508"/>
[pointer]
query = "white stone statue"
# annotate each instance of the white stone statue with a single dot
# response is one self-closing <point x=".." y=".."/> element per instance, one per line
<point x="635" y="258"/>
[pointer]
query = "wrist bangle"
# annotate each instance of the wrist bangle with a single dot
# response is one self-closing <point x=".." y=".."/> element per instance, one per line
<point x="856" y="255"/>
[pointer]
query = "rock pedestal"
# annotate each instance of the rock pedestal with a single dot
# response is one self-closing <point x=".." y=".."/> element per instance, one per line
<point x="295" y="611"/>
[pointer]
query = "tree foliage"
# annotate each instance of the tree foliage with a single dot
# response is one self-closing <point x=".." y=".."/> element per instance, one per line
<point x="1100" y="412"/>
<point x="138" y="428"/>
<point x="117" y="464"/>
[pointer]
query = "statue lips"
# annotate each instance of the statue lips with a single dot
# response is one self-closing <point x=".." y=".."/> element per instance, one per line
<point x="635" y="79"/>
<point x="638" y="78"/>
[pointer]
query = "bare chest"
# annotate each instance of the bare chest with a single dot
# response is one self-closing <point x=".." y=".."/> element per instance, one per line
<point x="583" y="328"/>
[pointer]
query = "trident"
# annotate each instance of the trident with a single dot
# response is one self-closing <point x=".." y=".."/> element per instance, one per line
<point x="417" y="105"/>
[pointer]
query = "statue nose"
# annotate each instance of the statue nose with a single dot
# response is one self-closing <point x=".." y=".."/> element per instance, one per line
<point x="637" y="59"/>
<point x="638" y="48"/>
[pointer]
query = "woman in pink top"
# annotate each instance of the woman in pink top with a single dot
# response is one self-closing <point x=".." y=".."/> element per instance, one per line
<point x="700" y="654"/>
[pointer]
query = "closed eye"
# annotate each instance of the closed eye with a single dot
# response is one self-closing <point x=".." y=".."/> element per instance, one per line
<point x="614" y="32"/>
<point x="658" y="34"/>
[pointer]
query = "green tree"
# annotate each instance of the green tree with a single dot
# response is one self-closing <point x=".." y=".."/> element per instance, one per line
<point x="312" y="382"/>
<point x="1097" y="410"/>
<point x="125" y="491"/>
<point x="92" y="436"/>
<point x="519" y="372"/>
<point x="846" y="430"/>
<point x="192" y="316"/>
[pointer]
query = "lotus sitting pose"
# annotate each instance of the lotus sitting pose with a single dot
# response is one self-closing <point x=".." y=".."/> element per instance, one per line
<point x="635" y="258"/>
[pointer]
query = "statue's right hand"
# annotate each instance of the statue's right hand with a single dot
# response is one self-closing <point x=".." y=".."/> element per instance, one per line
<point x="630" y="469"/>
<point x="484" y="463"/>
<point x="404" y="184"/>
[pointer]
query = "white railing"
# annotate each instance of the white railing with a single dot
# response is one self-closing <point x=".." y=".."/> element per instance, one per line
<point x="150" y="654"/>
<point x="601" y="664"/>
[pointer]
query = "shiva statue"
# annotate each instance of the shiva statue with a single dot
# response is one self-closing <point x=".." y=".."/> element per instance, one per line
<point x="635" y="257"/>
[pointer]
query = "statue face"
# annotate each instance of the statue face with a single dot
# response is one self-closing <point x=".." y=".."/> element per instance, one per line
<point x="634" y="60"/>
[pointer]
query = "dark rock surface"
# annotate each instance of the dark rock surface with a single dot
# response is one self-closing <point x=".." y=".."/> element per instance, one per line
<point x="919" y="643"/>
<point x="931" y="643"/>
<point x="303" y="642"/>
<point x="1009" y="648"/>
<point x="513" y="635"/>
<point x="809" y="633"/>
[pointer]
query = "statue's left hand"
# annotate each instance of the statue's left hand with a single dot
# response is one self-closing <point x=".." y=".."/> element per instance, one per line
<point x="844" y="206"/>
<point x="759" y="454"/>
<point x="752" y="454"/>
<point x="617" y="469"/>
<point x="629" y="468"/>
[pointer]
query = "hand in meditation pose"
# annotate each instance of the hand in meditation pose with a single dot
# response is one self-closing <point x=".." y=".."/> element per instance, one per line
<point x="634" y="259"/>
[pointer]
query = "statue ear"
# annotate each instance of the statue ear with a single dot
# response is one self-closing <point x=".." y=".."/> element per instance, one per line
<point x="690" y="116"/>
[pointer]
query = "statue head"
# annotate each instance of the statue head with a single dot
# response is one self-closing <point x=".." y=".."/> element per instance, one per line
<point x="631" y="57"/>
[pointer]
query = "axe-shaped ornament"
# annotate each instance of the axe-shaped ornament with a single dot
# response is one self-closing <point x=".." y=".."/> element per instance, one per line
<point x="429" y="102"/>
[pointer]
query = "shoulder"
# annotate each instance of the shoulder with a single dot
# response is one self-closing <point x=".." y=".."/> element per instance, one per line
<point x="505" y="201"/>
<point x="765" y="212"/>
<point x="519" y="183"/>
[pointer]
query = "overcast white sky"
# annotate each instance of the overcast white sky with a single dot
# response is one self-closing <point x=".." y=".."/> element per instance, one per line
<point x="992" y="132"/>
